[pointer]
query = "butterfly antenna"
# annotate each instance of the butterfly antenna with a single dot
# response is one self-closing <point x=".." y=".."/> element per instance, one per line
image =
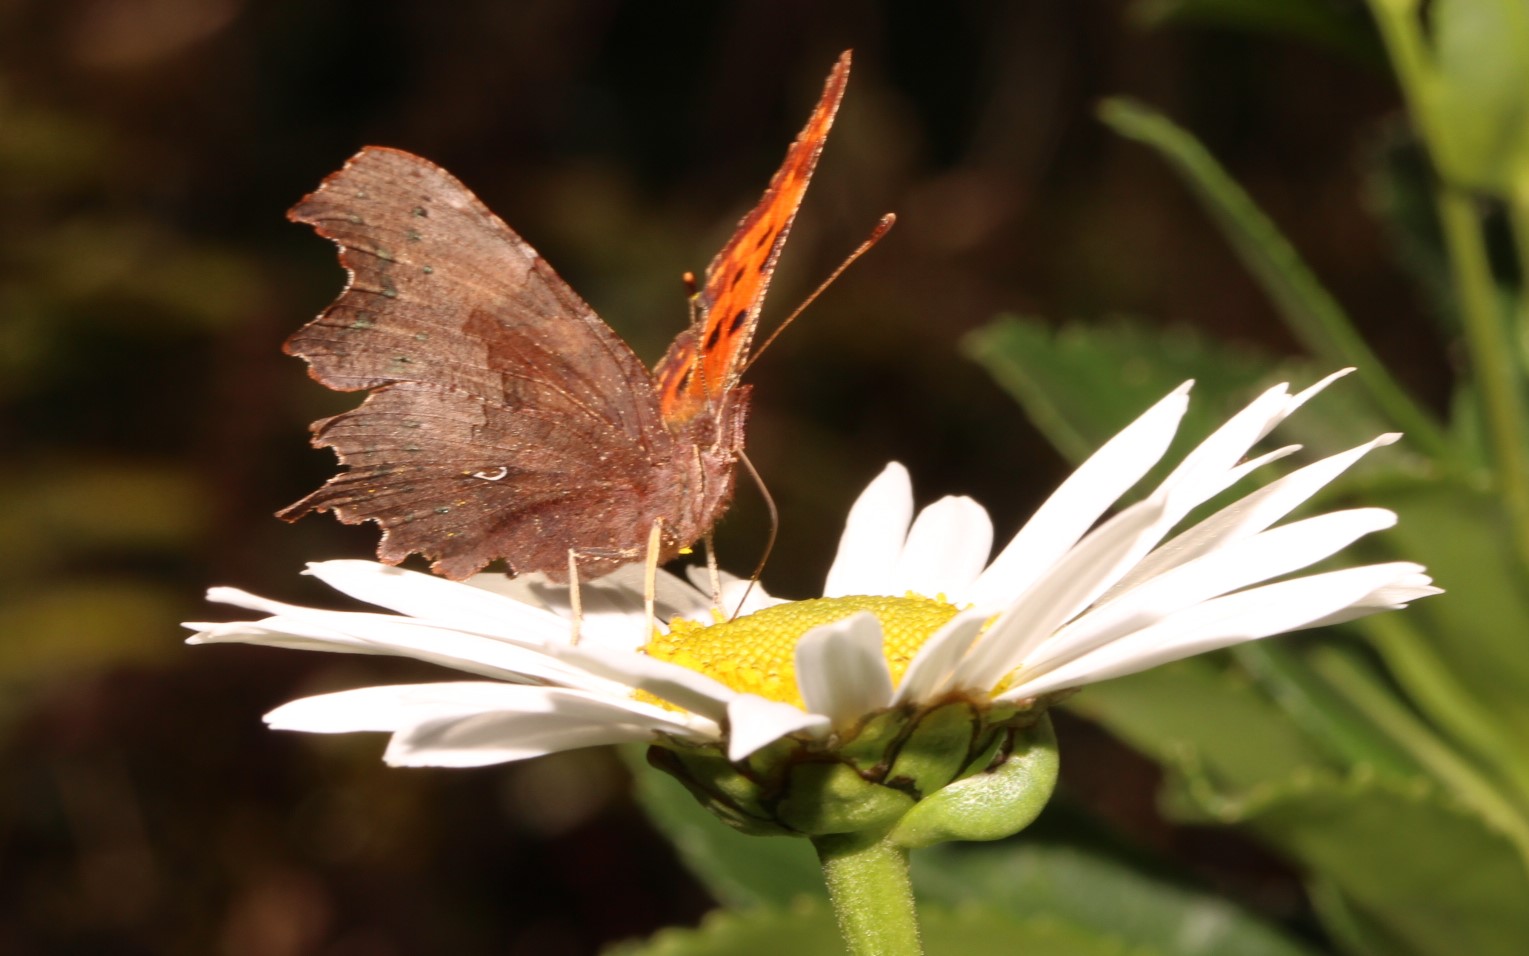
<point x="774" y="530"/>
<point x="575" y="603"/>
<point x="882" y="228"/>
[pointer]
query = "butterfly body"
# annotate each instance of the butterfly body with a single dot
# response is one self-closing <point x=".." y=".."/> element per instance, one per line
<point x="504" y="419"/>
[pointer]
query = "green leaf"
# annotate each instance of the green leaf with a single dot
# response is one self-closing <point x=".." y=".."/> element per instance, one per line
<point x="63" y="508"/>
<point x="1403" y="855"/>
<point x="1030" y="880"/>
<point x="803" y="930"/>
<point x="1342" y="28"/>
<point x="1321" y="709"/>
<point x="739" y="870"/>
<point x="1311" y="313"/>
<point x="808" y="929"/>
<point x="1476" y="630"/>
<point x="1083" y="382"/>
<point x="1398" y="190"/>
<point x="1480" y="109"/>
<point x="1354" y="931"/>
<point x="62" y="627"/>
<point x="1199" y="710"/>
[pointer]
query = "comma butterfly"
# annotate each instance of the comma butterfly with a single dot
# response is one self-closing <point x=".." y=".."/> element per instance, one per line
<point x="505" y="419"/>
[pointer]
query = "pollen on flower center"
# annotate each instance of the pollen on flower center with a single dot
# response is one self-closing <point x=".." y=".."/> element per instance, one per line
<point x="756" y="654"/>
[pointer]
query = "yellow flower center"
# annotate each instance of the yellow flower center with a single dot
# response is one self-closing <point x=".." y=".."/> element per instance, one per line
<point x="756" y="654"/>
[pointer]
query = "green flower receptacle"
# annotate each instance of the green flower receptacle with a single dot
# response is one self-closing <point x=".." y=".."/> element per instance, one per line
<point x="730" y="791"/>
<point x="827" y="796"/>
<point x="950" y="772"/>
<point x="990" y="805"/>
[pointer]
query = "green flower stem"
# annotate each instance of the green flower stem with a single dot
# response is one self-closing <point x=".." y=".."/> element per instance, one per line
<point x="1308" y="309"/>
<point x="1365" y="691"/>
<point x="1491" y="355"/>
<point x="1401" y="30"/>
<point x="1518" y="218"/>
<point x="867" y="877"/>
<point x="1485" y="332"/>
<point x="1429" y="681"/>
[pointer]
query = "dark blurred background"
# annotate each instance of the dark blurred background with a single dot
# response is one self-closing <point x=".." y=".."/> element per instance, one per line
<point x="151" y="425"/>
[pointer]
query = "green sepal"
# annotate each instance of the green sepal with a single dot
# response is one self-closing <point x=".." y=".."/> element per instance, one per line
<point x="937" y="749"/>
<point x="866" y="746"/>
<point x="826" y="796"/>
<point x="719" y="786"/>
<point x="989" y="805"/>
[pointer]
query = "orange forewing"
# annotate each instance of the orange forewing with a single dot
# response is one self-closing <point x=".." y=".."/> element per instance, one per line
<point x="706" y="362"/>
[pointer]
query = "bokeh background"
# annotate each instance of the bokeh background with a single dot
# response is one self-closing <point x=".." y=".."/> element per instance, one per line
<point x="151" y="425"/>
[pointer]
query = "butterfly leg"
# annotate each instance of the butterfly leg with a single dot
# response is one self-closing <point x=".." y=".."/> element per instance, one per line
<point x="713" y="573"/>
<point x="650" y="571"/>
<point x="575" y="604"/>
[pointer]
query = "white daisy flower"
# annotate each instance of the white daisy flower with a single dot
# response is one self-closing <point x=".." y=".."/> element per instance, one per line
<point x="914" y="616"/>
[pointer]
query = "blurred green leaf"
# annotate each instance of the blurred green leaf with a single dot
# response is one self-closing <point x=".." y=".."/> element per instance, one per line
<point x="57" y="509"/>
<point x="1354" y="931"/>
<point x="134" y="265"/>
<point x="1403" y="855"/>
<point x="50" y="150"/>
<point x="1322" y="710"/>
<point x="803" y="930"/>
<point x="76" y="623"/>
<point x="1342" y="28"/>
<point x="808" y="929"/>
<point x="1311" y="313"/>
<point x="739" y="870"/>
<point x="1083" y="382"/>
<point x="1480" y="116"/>
<point x="1198" y="710"/>
<point x="1030" y="880"/>
<point x="1398" y="191"/>
<point x="1477" y="628"/>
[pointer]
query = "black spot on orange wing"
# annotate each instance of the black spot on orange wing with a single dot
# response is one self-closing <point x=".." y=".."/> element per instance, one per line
<point x="737" y="279"/>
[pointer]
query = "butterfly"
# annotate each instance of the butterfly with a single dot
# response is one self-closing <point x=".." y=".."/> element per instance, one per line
<point x="504" y="419"/>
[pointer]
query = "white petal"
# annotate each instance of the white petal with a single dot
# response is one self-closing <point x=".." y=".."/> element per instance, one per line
<point x="450" y="603"/>
<point x="873" y="536"/>
<point x="1250" y="561"/>
<point x="928" y="673"/>
<point x="740" y="596"/>
<point x="1244" y="616"/>
<point x="367" y="633"/>
<point x="267" y="634"/>
<point x="679" y="685"/>
<point x="622" y="592"/>
<point x="464" y="724"/>
<point x="841" y="670"/>
<point x="482" y="656"/>
<point x="618" y="594"/>
<point x="754" y="722"/>
<point x="390" y="707"/>
<point x="946" y="549"/>
<point x="479" y="740"/>
<point x="1391" y="597"/>
<point x="1068" y="586"/>
<point x="476" y="740"/>
<point x="1311" y="391"/>
<point x="1075" y="506"/>
<point x="1210" y="468"/>
<point x="1250" y="514"/>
